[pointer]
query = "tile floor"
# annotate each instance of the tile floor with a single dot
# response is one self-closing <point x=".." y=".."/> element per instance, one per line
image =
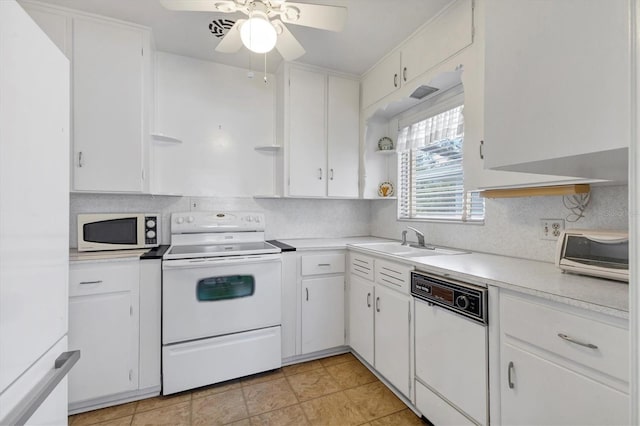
<point x="337" y="390"/>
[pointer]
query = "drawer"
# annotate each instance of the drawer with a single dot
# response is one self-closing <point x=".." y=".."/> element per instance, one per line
<point x="319" y="264"/>
<point x="393" y="275"/>
<point x="361" y="265"/>
<point x="541" y="325"/>
<point x="104" y="277"/>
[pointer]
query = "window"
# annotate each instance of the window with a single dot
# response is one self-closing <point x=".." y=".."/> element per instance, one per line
<point x="431" y="175"/>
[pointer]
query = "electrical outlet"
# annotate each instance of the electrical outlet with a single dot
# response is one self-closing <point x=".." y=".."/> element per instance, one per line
<point x="550" y="228"/>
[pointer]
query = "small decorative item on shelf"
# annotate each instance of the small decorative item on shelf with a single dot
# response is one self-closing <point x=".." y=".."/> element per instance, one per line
<point x="385" y="189"/>
<point x="385" y="144"/>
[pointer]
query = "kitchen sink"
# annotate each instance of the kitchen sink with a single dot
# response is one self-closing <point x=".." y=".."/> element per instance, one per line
<point x="397" y="249"/>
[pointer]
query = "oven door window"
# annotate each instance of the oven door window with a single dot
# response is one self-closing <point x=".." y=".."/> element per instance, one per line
<point x="113" y="231"/>
<point x="224" y="288"/>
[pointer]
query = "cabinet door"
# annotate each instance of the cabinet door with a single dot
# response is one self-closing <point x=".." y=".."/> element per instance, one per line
<point x="102" y="326"/>
<point x="361" y="300"/>
<point x="107" y="106"/>
<point x="381" y="80"/>
<point x="545" y="393"/>
<point x="343" y="143"/>
<point x="443" y="37"/>
<point x="392" y="337"/>
<point x="322" y="313"/>
<point x="554" y="87"/>
<point x="307" y="134"/>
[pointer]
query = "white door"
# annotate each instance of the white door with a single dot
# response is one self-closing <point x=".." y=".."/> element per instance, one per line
<point x="361" y="301"/>
<point x="104" y="328"/>
<point x="343" y="131"/>
<point x="322" y="313"/>
<point x="451" y="357"/>
<point x="107" y="106"/>
<point x="34" y="206"/>
<point x="545" y="393"/>
<point x="211" y="297"/>
<point x="307" y="134"/>
<point x="392" y="337"/>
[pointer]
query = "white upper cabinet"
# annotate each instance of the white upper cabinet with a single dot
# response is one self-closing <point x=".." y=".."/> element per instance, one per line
<point x="109" y="72"/>
<point x="342" y="139"/>
<point x="439" y="39"/>
<point x="557" y="91"/>
<point x="319" y="130"/>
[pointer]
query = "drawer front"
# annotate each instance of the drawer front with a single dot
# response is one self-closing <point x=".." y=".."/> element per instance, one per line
<point x="567" y="335"/>
<point x="393" y="275"/>
<point x="361" y="265"/>
<point x="96" y="278"/>
<point x="319" y="264"/>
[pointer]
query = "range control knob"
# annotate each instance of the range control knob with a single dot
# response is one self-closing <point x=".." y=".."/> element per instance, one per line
<point x="462" y="302"/>
<point x="180" y="220"/>
<point x="151" y="234"/>
<point x="190" y="219"/>
<point x="151" y="224"/>
<point x="249" y="219"/>
<point x="257" y="219"/>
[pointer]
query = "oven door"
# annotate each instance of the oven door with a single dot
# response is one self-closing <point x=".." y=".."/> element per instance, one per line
<point x="216" y="296"/>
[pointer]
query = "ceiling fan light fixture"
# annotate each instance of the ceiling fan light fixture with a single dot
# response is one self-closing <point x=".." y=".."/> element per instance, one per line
<point x="258" y="34"/>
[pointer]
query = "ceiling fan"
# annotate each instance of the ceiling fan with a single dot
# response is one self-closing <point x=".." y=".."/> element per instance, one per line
<point x="264" y="29"/>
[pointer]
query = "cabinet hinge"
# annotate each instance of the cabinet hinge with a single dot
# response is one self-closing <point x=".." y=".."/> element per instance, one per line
<point x="130" y="375"/>
<point x="409" y="384"/>
<point x="131" y="310"/>
<point x="409" y="315"/>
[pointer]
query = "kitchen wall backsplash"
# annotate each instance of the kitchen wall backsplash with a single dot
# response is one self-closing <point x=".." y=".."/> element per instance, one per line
<point x="285" y="218"/>
<point x="511" y="226"/>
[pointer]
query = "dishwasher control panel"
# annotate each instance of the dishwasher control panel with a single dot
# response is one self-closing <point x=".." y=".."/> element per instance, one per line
<point x="465" y="299"/>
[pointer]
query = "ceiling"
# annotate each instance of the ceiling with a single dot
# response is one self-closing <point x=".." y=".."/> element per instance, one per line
<point x="373" y="28"/>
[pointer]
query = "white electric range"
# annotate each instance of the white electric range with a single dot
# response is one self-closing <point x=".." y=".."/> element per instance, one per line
<point x="221" y="290"/>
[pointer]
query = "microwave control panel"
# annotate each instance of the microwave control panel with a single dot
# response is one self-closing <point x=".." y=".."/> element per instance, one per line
<point x="151" y="230"/>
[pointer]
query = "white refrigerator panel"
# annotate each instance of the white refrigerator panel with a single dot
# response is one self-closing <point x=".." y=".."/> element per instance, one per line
<point x="34" y="193"/>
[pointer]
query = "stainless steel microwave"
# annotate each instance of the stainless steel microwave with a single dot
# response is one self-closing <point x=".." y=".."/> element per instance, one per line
<point x="117" y="231"/>
<point x="598" y="253"/>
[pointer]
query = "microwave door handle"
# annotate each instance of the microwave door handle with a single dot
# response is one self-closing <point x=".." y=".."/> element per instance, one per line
<point x="613" y="240"/>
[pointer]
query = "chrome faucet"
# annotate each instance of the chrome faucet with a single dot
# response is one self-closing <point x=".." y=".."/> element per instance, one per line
<point x="419" y="235"/>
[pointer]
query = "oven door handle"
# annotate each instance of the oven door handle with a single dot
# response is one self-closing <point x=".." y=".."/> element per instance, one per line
<point x="218" y="261"/>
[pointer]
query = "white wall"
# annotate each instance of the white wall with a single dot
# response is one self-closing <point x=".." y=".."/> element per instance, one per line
<point x="511" y="225"/>
<point x="220" y="115"/>
<point x="285" y="218"/>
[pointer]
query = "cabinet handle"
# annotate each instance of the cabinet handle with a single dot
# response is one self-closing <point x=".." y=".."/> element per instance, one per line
<point x="80" y="163"/>
<point x="324" y="264"/>
<point x="510" y="371"/>
<point x="368" y="300"/>
<point x="90" y="282"/>
<point x="307" y="290"/>
<point x="331" y="174"/>
<point x="404" y="74"/>
<point x="395" y="80"/>
<point x="481" y="153"/>
<point x="577" y="342"/>
<point x="377" y="304"/>
<point x="320" y="173"/>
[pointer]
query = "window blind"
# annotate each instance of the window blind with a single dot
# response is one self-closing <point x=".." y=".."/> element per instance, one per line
<point x="431" y="175"/>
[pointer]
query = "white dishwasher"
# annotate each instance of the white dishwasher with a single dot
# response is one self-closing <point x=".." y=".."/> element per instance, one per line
<point x="451" y="350"/>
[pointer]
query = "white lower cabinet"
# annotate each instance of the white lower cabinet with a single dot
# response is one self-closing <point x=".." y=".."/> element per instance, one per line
<point x="379" y="318"/>
<point x="561" y="365"/>
<point x="322" y="301"/>
<point x="114" y="320"/>
<point x="322" y="313"/>
<point x="103" y="325"/>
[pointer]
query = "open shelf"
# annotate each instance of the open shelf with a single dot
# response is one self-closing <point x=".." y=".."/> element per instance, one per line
<point x="165" y="138"/>
<point x="267" y="147"/>
<point x="386" y="151"/>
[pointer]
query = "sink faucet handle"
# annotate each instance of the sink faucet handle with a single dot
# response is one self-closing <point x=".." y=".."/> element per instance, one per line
<point x="419" y="235"/>
<point x="404" y="237"/>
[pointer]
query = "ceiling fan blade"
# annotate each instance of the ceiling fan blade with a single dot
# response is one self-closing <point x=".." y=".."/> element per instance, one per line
<point x="231" y="42"/>
<point x="226" y="6"/>
<point x="286" y="43"/>
<point x="332" y="18"/>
